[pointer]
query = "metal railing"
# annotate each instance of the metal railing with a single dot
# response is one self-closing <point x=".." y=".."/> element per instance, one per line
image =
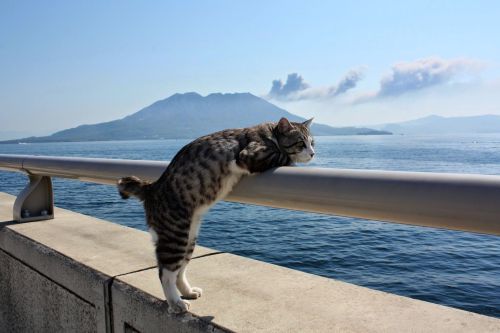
<point x="453" y="201"/>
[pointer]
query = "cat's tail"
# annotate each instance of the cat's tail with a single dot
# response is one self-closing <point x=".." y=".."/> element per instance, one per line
<point x="132" y="186"/>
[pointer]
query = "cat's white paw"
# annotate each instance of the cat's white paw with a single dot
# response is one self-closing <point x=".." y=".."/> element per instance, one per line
<point x="194" y="293"/>
<point x="197" y="291"/>
<point x="179" y="307"/>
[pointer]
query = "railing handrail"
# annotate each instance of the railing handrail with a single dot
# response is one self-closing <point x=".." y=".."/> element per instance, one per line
<point x="464" y="202"/>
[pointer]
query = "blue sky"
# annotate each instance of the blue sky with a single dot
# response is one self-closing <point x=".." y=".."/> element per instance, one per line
<point x="64" y="63"/>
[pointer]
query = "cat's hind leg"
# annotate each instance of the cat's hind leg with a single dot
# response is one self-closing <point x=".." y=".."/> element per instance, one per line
<point x="183" y="285"/>
<point x="171" y="253"/>
<point x="185" y="288"/>
<point x="175" y="303"/>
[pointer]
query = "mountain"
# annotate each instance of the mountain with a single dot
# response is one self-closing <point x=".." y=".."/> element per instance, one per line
<point x="436" y="124"/>
<point x="6" y="133"/>
<point x="189" y="115"/>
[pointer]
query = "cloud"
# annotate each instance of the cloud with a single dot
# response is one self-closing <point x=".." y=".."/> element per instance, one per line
<point x="296" y="89"/>
<point x="423" y="73"/>
<point x="349" y="81"/>
<point x="294" y="83"/>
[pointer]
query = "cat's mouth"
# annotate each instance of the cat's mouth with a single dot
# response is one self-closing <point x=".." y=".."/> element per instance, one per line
<point x="302" y="157"/>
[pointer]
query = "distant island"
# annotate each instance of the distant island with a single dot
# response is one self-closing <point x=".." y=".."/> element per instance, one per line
<point x="445" y="125"/>
<point x="190" y="115"/>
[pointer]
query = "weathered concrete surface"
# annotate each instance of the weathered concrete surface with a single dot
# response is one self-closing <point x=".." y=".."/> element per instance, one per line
<point x="251" y="296"/>
<point x="32" y="303"/>
<point x="109" y="267"/>
<point x="136" y="309"/>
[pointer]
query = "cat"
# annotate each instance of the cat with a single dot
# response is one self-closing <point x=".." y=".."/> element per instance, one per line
<point x="201" y="173"/>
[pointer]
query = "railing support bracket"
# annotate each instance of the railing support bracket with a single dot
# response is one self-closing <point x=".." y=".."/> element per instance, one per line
<point x="36" y="200"/>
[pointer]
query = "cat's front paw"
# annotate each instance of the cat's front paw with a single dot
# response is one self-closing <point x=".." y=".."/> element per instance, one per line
<point x="179" y="307"/>
<point x="194" y="293"/>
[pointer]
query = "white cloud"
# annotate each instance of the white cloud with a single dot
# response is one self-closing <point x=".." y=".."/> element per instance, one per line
<point x="448" y="100"/>
<point x="294" y="83"/>
<point x="296" y="89"/>
<point x="406" y="77"/>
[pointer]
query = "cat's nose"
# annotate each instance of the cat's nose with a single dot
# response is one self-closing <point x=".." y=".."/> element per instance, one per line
<point x="312" y="155"/>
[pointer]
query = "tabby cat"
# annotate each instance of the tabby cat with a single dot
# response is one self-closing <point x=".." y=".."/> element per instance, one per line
<point x="201" y="173"/>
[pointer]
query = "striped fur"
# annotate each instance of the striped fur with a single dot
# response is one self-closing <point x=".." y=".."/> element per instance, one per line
<point x="201" y="173"/>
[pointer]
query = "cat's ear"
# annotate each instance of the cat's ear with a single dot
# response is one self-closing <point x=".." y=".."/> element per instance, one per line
<point x="284" y="125"/>
<point x="308" y="123"/>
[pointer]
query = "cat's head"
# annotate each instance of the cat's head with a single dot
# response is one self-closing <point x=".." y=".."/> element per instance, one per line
<point x="296" y="140"/>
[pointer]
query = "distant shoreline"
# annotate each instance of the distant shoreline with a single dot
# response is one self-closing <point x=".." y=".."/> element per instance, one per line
<point x="39" y="140"/>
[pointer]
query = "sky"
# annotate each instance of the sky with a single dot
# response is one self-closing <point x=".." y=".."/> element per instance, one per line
<point x="66" y="63"/>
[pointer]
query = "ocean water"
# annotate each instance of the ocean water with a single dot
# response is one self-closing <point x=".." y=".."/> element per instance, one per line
<point x="452" y="268"/>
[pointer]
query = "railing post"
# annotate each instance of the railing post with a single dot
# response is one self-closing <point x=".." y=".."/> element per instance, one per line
<point x="36" y="200"/>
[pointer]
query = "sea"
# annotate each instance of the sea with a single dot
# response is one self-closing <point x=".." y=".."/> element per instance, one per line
<point x="452" y="268"/>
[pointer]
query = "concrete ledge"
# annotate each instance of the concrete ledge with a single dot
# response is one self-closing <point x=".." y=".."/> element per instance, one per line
<point x="134" y="308"/>
<point x="94" y="264"/>
<point x="251" y="296"/>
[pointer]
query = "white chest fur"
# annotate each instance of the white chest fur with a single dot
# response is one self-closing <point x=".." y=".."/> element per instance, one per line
<point x="227" y="185"/>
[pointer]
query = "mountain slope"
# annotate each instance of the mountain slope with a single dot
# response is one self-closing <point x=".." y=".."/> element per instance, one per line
<point x="189" y="115"/>
<point x="436" y="124"/>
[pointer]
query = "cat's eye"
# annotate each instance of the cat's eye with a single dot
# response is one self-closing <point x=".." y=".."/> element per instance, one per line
<point x="300" y="144"/>
<point x="312" y="143"/>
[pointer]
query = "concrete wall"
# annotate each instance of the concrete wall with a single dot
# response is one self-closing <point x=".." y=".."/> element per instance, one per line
<point x="80" y="274"/>
<point x="31" y="302"/>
